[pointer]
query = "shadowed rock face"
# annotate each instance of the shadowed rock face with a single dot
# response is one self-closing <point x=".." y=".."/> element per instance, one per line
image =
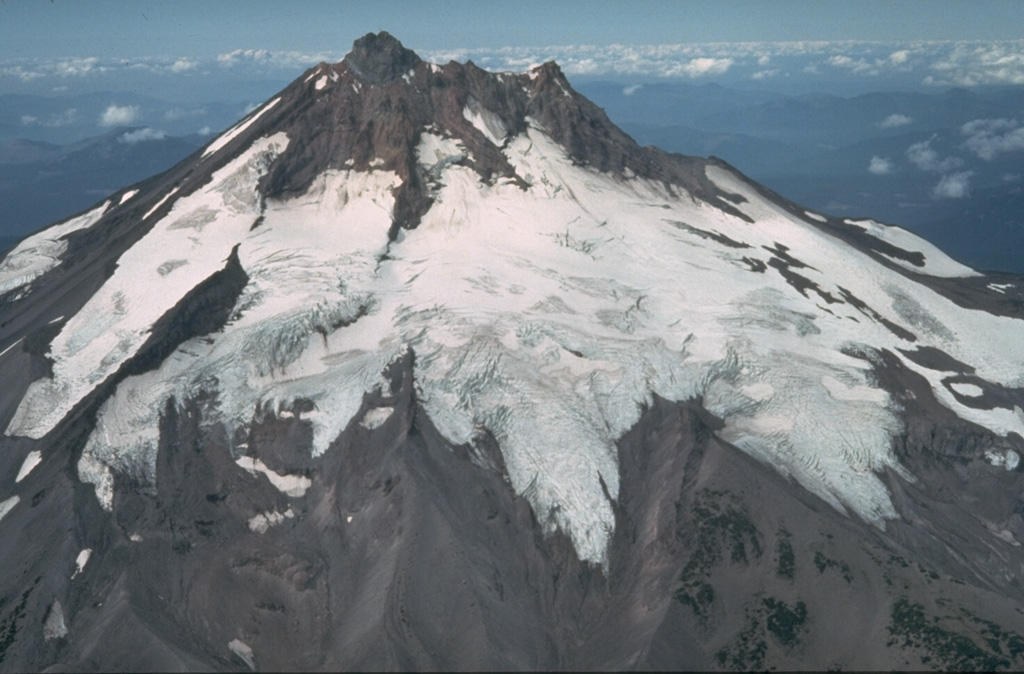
<point x="379" y="58"/>
<point x="397" y="549"/>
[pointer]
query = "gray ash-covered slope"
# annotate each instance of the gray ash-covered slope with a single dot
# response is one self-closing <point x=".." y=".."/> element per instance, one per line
<point x="422" y="366"/>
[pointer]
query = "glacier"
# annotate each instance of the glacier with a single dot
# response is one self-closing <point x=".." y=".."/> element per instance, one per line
<point x="41" y="252"/>
<point x="546" y="317"/>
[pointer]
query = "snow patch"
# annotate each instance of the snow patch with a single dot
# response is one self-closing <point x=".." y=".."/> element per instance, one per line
<point x="81" y="561"/>
<point x="1008" y="459"/>
<point x="290" y="485"/>
<point x="376" y="416"/>
<point x="54" y="626"/>
<point x="936" y="263"/>
<point x="41" y="252"/>
<point x="967" y="389"/>
<point x="485" y="121"/>
<point x="435" y="152"/>
<point x="242" y="650"/>
<point x="31" y="461"/>
<point x="126" y="196"/>
<point x="7" y="505"/>
<point x="160" y="203"/>
<point x="321" y="83"/>
<point x="815" y="216"/>
<point x="234" y="131"/>
<point x="12" y="346"/>
<point x="262" y="522"/>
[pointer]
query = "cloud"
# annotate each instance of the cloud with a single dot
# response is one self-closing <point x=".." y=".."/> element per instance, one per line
<point x="631" y="89"/>
<point x="76" y="66"/>
<point x="989" y="137"/>
<point x="21" y="73"/>
<point x="856" y="65"/>
<point x="953" y="186"/>
<point x="895" y="120"/>
<point x="974" y="64"/>
<point x="268" y="59"/>
<point x="880" y="166"/>
<point x="699" y="67"/>
<point x="116" y="115"/>
<point x="141" y="136"/>
<point x="58" y="119"/>
<point x="182" y="65"/>
<point x="899" y="57"/>
<point x="947" y="63"/>
<point x="205" y="131"/>
<point x="927" y="159"/>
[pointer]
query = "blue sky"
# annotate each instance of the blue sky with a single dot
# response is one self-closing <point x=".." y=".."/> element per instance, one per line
<point x="141" y="28"/>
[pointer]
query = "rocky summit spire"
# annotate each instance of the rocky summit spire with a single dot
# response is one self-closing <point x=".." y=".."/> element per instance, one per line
<point x="379" y="58"/>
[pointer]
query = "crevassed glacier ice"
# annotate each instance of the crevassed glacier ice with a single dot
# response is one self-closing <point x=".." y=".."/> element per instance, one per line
<point x="548" y="318"/>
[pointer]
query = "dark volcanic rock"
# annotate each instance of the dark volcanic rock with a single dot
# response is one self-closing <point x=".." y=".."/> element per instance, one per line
<point x="379" y="58"/>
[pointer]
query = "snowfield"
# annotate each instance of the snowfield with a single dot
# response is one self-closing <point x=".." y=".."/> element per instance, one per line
<point x="546" y="317"/>
<point x="41" y="252"/>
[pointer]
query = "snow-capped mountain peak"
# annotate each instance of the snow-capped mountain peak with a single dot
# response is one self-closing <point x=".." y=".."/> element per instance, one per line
<point x="549" y="276"/>
<point x="422" y="366"/>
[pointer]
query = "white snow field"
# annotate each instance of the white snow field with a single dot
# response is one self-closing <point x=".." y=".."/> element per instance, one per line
<point x="547" y="317"/>
<point x="41" y="252"/>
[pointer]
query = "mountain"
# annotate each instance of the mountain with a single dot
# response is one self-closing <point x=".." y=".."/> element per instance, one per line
<point x="419" y="366"/>
<point x="41" y="182"/>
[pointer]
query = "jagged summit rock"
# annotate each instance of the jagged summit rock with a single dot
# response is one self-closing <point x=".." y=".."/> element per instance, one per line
<point x="420" y="366"/>
<point x="379" y="58"/>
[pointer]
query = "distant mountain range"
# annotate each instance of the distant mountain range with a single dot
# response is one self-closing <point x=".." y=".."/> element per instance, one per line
<point x="42" y="182"/>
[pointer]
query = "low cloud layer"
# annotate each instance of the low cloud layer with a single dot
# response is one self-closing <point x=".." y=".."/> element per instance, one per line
<point x="894" y="121"/>
<point x="58" y="119"/>
<point x="953" y="186"/>
<point x="141" y="136"/>
<point x="880" y="166"/>
<point x="119" y="115"/>
<point x="990" y="137"/>
<point x="937" y="63"/>
<point x="924" y="157"/>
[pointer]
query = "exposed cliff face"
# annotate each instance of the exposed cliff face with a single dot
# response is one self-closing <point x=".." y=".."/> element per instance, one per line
<point x="421" y="366"/>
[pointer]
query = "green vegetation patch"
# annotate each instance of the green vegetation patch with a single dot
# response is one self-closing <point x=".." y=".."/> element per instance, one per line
<point x="822" y="562"/>
<point x="723" y="530"/>
<point x="785" y="560"/>
<point x="749" y="648"/>
<point x="784" y="622"/>
<point x="909" y="627"/>
<point x="9" y="623"/>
